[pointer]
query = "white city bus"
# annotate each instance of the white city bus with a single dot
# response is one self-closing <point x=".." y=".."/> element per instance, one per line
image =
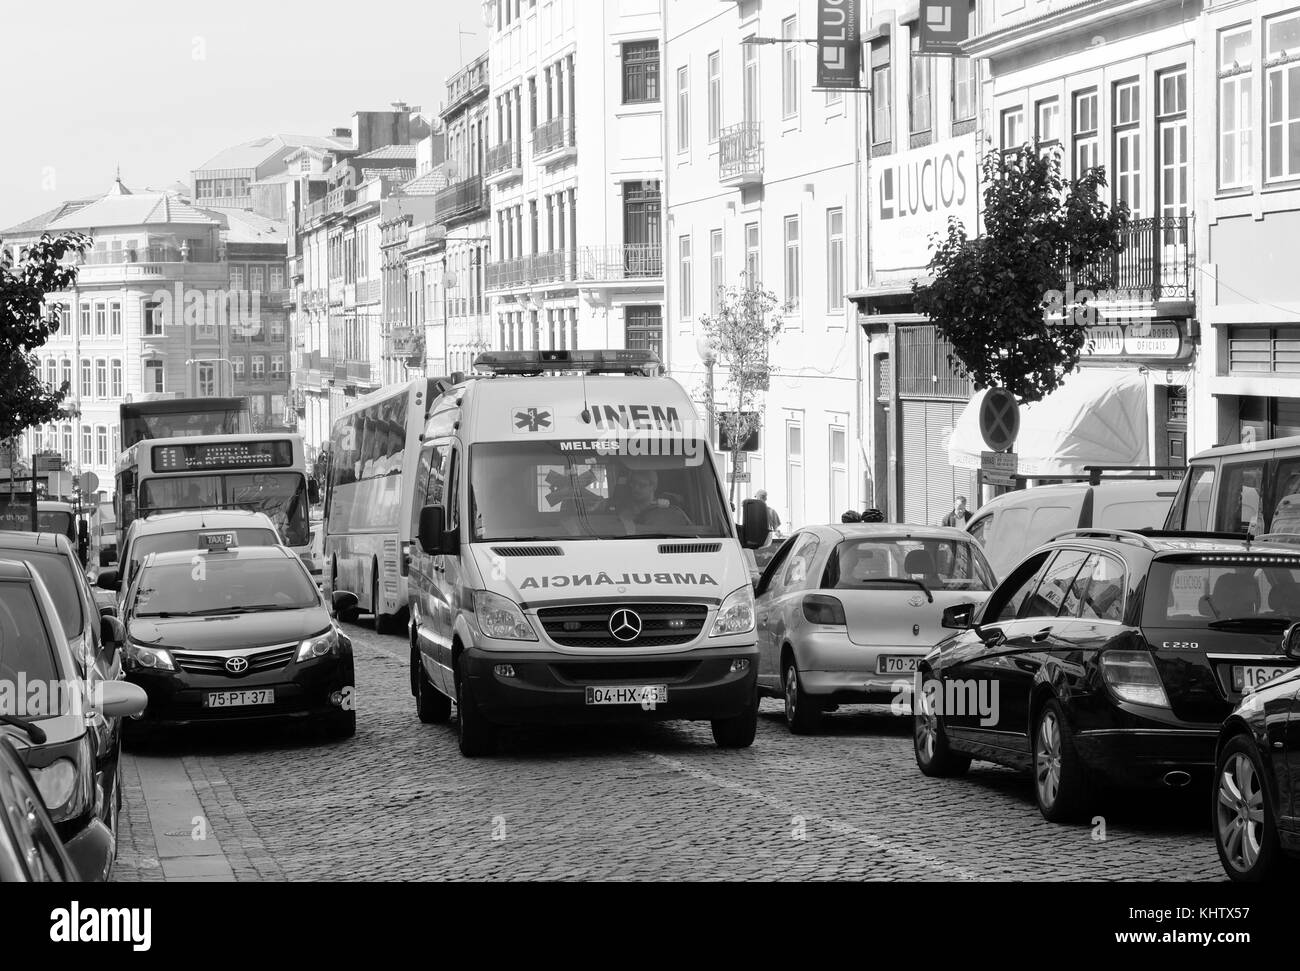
<point x="261" y="472"/>
<point x="368" y="497"/>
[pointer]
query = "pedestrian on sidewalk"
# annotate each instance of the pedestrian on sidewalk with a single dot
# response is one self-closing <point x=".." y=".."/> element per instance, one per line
<point x="959" y="516"/>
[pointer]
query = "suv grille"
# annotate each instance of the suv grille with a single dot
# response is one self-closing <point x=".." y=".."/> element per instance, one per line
<point x="587" y="625"/>
<point x="258" y="661"/>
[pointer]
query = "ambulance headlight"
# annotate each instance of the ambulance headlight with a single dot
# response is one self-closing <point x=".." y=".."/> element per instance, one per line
<point x="501" y="617"/>
<point x="736" y="615"/>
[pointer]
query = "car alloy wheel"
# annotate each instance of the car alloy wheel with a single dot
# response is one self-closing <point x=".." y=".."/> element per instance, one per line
<point x="802" y="714"/>
<point x="1240" y="820"/>
<point x="927" y="727"/>
<point x="1063" y="784"/>
<point x="1047" y="760"/>
<point x="934" y="756"/>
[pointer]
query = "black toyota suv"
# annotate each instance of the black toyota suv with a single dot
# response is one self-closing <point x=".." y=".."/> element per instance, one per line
<point x="1108" y="658"/>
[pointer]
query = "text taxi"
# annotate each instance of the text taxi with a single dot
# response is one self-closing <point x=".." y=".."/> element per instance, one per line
<point x="576" y="561"/>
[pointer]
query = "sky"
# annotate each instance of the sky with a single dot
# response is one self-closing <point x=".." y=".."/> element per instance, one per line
<point x="158" y="87"/>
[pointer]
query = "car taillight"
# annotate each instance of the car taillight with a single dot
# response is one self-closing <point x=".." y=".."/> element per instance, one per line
<point x="820" y="609"/>
<point x="404" y="561"/>
<point x="1132" y="675"/>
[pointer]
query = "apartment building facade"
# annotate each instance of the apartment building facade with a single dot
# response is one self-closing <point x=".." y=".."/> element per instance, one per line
<point x="575" y="171"/>
<point x="764" y="189"/>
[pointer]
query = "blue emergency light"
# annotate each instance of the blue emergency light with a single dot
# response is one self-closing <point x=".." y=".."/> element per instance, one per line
<point x="590" y="362"/>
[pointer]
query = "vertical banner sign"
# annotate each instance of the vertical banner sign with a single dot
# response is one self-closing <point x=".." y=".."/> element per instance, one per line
<point x="944" y="25"/>
<point x="839" y="44"/>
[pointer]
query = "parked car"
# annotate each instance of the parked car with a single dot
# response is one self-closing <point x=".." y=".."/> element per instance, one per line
<point x="1108" y="658"/>
<point x="30" y="850"/>
<point x="1256" y="790"/>
<point x="62" y="742"/>
<point x="59" y="568"/>
<point x="165" y="532"/>
<point x="1011" y="525"/>
<point x="1252" y="487"/>
<point x="845" y="613"/>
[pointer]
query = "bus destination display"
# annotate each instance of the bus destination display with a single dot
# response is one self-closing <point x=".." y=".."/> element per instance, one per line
<point x="226" y="455"/>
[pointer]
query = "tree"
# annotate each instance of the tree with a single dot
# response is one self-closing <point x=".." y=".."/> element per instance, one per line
<point x="741" y="334"/>
<point x="26" y="324"/>
<point x="990" y="295"/>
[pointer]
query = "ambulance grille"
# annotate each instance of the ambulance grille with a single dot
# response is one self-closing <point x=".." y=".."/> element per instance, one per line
<point x="689" y="547"/>
<point x="527" y="551"/>
<point x="587" y="625"/>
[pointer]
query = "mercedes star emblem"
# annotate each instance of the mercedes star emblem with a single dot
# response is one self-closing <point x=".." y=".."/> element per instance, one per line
<point x="236" y="665"/>
<point x="625" y="624"/>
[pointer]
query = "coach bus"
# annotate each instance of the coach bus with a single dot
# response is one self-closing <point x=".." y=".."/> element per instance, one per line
<point x="261" y="472"/>
<point x="368" y="499"/>
<point x="176" y="417"/>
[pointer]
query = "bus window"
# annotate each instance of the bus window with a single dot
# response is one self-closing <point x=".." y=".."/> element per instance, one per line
<point x="1240" y="494"/>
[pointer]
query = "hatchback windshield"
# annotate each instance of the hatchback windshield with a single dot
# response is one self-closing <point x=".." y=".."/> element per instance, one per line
<point x="25" y="650"/>
<point x="226" y="584"/>
<point x="941" y="564"/>
<point x="556" y="489"/>
<point x="189" y="540"/>
<point x="1224" y="594"/>
<point x="56" y="571"/>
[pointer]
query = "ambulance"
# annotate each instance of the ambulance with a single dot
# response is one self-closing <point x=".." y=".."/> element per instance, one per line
<point x="574" y="559"/>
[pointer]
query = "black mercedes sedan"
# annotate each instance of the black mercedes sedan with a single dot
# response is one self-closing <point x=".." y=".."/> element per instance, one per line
<point x="1108" y="658"/>
<point x="1256" y="801"/>
<point x="223" y="634"/>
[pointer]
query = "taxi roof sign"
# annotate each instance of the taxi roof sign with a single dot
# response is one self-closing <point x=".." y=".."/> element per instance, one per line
<point x="217" y="542"/>
<point x="592" y="362"/>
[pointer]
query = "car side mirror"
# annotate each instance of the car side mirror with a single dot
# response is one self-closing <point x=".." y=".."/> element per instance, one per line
<point x="120" y="699"/>
<point x="1291" y="642"/>
<point x="754" y="528"/>
<point x="958" y="616"/>
<point x="343" y="601"/>
<point x="107" y="580"/>
<point x="432" y="531"/>
<point x="111" y="632"/>
<point x="108" y="610"/>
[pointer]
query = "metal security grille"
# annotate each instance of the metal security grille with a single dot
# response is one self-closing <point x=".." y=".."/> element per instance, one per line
<point x="1259" y="350"/>
<point x="924" y="370"/>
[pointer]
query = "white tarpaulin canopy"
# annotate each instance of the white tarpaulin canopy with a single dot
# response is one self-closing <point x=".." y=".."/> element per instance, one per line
<point x="1098" y="416"/>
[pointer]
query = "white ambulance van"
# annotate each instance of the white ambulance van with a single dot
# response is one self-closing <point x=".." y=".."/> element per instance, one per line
<point x="575" y="559"/>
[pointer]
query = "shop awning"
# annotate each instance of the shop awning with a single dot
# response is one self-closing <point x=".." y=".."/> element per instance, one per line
<point x="1098" y="416"/>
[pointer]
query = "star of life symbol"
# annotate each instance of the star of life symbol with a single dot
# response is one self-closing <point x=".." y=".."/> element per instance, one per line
<point x="531" y="419"/>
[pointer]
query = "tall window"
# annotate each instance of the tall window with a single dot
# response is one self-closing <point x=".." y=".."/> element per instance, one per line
<point x="115" y="371"/>
<point x="85" y="377"/>
<point x="277" y="365"/>
<point x="65" y="373"/>
<point x="101" y="320"/>
<point x="115" y="319"/>
<point x="716" y="271"/>
<point x="237" y="271"/>
<point x="237" y="367"/>
<point x="1282" y="103"/>
<point x="715" y="95"/>
<point x="839" y="455"/>
<point x="794" y="471"/>
<point x="921" y="104"/>
<point x="153" y="319"/>
<point x="1047" y="124"/>
<point x="835" y="261"/>
<point x="259" y="367"/>
<point x="153" y="376"/>
<point x="683" y="110"/>
<point x="684" y="276"/>
<point x="1013" y="129"/>
<point x="963" y="89"/>
<point x="789" y="69"/>
<point x="640" y="72"/>
<point x="85" y="320"/>
<point x="749" y="59"/>
<point x="101" y="446"/>
<point x="87" y="446"/>
<point x="882" y="117"/>
<point x="1128" y="145"/>
<point x="207" y="380"/>
<point x="1172" y="143"/>
<point x="67" y="444"/>
<point x="753" y="269"/>
<point x="101" y="378"/>
<point x="642" y="215"/>
<point x="645" y="329"/>
<point x="277" y="278"/>
<point x="1085" y="131"/>
<point x="793" y="264"/>
<point x="1236" y="58"/>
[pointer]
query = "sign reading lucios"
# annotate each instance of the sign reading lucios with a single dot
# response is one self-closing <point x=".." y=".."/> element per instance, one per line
<point x="839" y="44"/>
<point x="914" y="193"/>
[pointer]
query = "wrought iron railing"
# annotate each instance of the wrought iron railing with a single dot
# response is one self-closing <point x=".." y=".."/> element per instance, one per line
<point x="461" y="199"/>
<point x="1155" y="263"/>
<point x="503" y="157"/>
<point x="740" y="151"/>
<point x="621" y="262"/>
<point x="551" y="136"/>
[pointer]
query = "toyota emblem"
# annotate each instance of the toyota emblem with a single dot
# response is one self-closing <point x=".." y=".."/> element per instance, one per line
<point x="236" y="665"/>
<point x="916" y="601"/>
<point x="625" y="625"/>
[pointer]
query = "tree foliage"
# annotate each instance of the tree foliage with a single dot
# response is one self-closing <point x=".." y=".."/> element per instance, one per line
<point x="990" y="294"/>
<point x="741" y="334"/>
<point x="26" y="324"/>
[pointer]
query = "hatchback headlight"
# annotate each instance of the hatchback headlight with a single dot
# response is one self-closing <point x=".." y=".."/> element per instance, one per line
<point x="150" y="658"/>
<point x="736" y="615"/>
<point x="1132" y="675"/>
<point x="501" y="617"/>
<point x="318" y="646"/>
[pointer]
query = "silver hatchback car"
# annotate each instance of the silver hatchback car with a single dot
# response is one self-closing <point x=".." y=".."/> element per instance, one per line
<point x="846" y="612"/>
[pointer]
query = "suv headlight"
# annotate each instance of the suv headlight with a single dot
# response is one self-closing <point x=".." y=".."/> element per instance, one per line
<point x="501" y="617"/>
<point x="736" y="615"/>
<point x="318" y="646"/>
<point x="150" y="658"/>
<point x="1132" y="675"/>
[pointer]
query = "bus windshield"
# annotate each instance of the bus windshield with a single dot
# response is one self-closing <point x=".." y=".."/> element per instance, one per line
<point x="551" y="490"/>
<point x="183" y="417"/>
<point x="281" y="495"/>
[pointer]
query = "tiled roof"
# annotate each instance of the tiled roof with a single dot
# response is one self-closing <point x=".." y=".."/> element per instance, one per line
<point x="242" y="226"/>
<point x="42" y="222"/>
<point x="390" y="151"/>
<point x="432" y="182"/>
<point x="145" y="208"/>
<point x="251" y="154"/>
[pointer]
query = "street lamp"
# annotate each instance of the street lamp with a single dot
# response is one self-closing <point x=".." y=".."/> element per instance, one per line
<point x="216" y="360"/>
<point x="708" y="351"/>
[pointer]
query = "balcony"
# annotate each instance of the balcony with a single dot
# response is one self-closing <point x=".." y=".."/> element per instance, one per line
<point x="339" y="199"/>
<point x="559" y="266"/>
<point x="502" y="163"/>
<point x="1154" y="266"/>
<point x="462" y="86"/>
<point x="461" y="200"/>
<point x="369" y="291"/>
<point x="149" y="254"/>
<point x="351" y="372"/>
<point x="740" y="155"/>
<point x="313" y="213"/>
<point x="554" y="140"/>
<point x="278" y="298"/>
<point x="629" y="261"/>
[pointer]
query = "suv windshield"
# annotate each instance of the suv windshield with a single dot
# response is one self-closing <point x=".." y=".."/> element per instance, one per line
<point x="1242" y="593"/>
<point x="25" y="649"/>
<point x="941" y="564"/>
<point x="571" y="490"/>
<point x="57" y="573"/>
<point x="227" y="584"/>
<point x="189" y="540"/>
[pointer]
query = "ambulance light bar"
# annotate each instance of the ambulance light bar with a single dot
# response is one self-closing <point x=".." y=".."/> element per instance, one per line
<point x="592" y="362"/>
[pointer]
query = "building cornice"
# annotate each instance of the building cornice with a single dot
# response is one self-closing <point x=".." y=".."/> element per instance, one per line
<point x="1047" y="27"/>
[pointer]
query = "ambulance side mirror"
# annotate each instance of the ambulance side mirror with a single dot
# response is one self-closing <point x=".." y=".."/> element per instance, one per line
<point x="754" y="529"/>
<point x="432" y="536"/>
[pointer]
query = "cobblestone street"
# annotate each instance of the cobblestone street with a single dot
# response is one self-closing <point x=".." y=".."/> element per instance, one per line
<point x="398" y="802"/>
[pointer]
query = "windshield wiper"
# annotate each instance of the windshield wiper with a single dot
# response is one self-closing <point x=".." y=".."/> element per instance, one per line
<point x="168" y="613"/>
<point x="247" y="609"/>
<point x="663" y="536"/>
<point x="1247" y="623"/>
<point x="908" y="582"/>
<point x="34" y="731"/>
